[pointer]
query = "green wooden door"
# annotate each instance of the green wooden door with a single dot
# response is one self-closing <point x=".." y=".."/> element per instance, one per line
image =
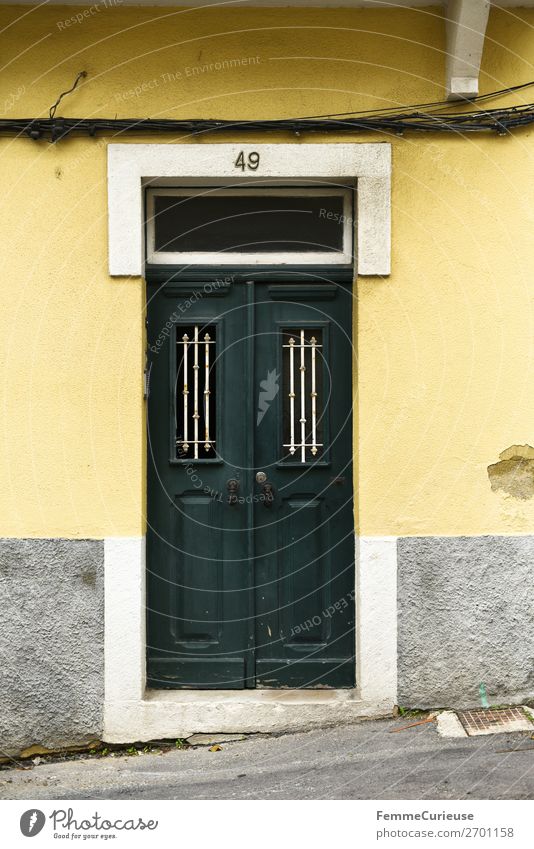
<point x="250" y="542"/>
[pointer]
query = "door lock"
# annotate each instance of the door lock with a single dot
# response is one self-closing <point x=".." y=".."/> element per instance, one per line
<point x="268" y="494"/>
<point x="233" y="488"/>
<point x="261" y="477"/>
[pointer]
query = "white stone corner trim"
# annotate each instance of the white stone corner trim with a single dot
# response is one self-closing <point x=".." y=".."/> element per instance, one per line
<point x="132" y="166"/>
<point x="124" y="619"/>
<point x="376" y="619"/>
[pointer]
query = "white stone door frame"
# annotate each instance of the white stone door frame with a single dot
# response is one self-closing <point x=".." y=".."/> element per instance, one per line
<point x="131" y="712"/>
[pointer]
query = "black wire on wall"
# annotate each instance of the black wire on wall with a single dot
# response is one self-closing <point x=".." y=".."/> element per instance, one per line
<point x="424" y="117"/>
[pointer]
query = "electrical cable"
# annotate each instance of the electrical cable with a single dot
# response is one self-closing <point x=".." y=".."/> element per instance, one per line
<point x="52" y="111"/>
<point x="390" y="121"/>
<point x="436" y="103"/>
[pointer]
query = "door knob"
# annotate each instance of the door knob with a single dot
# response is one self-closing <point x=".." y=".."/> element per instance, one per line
<point x="268" y="494"/>
<point x="233" y="488"/>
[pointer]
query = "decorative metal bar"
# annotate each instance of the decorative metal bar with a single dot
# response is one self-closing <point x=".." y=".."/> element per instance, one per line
<point x="302" y="401"/>
<point x="292" y="395"/>
<point x="185" y="392"/>
<point x="207" y="392"/>
<point x="196" y="414"/>
<point x="305" y="362"/>
<point x="313" y="341"/>
<point x="194" y="433"/>
<point x="306" y="445"/>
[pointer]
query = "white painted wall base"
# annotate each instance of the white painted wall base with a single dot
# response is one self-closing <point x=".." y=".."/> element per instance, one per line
<point x="131" y="712"/>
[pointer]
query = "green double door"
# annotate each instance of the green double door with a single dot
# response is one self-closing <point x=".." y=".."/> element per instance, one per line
<point x="250" y="542"/>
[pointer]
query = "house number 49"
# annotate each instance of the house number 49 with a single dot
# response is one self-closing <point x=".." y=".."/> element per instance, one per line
<point x="249" y="162"/>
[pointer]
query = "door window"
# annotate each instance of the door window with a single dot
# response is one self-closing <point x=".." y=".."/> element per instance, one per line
<point x="303" y="403"/>
<point x="195" y="392"/>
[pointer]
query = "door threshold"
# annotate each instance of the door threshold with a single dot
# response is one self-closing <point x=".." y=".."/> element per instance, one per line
<point x="282" y="696"/>
<point x="173" y="714"/>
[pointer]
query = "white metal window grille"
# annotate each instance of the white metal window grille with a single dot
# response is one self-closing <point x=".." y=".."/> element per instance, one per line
<point x="303" y="397"/>
<point x="195" y="392"/>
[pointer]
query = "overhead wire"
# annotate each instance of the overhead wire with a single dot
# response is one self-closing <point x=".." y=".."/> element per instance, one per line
<point x="422" y="117"/>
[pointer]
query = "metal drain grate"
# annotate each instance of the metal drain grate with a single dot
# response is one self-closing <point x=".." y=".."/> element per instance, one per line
<point x="494" y="721"/>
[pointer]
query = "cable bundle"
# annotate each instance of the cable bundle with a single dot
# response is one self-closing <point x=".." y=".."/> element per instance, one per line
<point x="424" y="117"/>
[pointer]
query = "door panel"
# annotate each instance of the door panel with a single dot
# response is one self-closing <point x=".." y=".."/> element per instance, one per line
<point x="306" y="584"/>
<point x="304" y="541"/>
<point x="198" y="597"/>
<point x="198" y="580"/>
<point x="250" y="581"/>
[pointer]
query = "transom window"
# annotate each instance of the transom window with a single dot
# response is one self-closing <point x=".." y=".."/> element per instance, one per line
<point x="253" y="226"/>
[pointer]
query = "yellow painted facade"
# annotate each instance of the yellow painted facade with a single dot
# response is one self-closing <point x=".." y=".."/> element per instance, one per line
<point x="445" y="344"/>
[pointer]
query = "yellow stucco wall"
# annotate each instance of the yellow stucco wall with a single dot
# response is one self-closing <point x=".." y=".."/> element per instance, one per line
<point x="445" y="345"/>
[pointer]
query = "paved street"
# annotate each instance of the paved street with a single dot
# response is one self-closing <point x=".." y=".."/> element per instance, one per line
<point x="363" y="761"/>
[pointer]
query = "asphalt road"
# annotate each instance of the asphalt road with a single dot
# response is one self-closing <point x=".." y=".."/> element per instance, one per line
<point x="363" y="761"/>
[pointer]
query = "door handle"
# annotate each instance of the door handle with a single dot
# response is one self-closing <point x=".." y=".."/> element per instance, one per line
<point x="233" y="488"/>
<point x="268" y="494"/>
